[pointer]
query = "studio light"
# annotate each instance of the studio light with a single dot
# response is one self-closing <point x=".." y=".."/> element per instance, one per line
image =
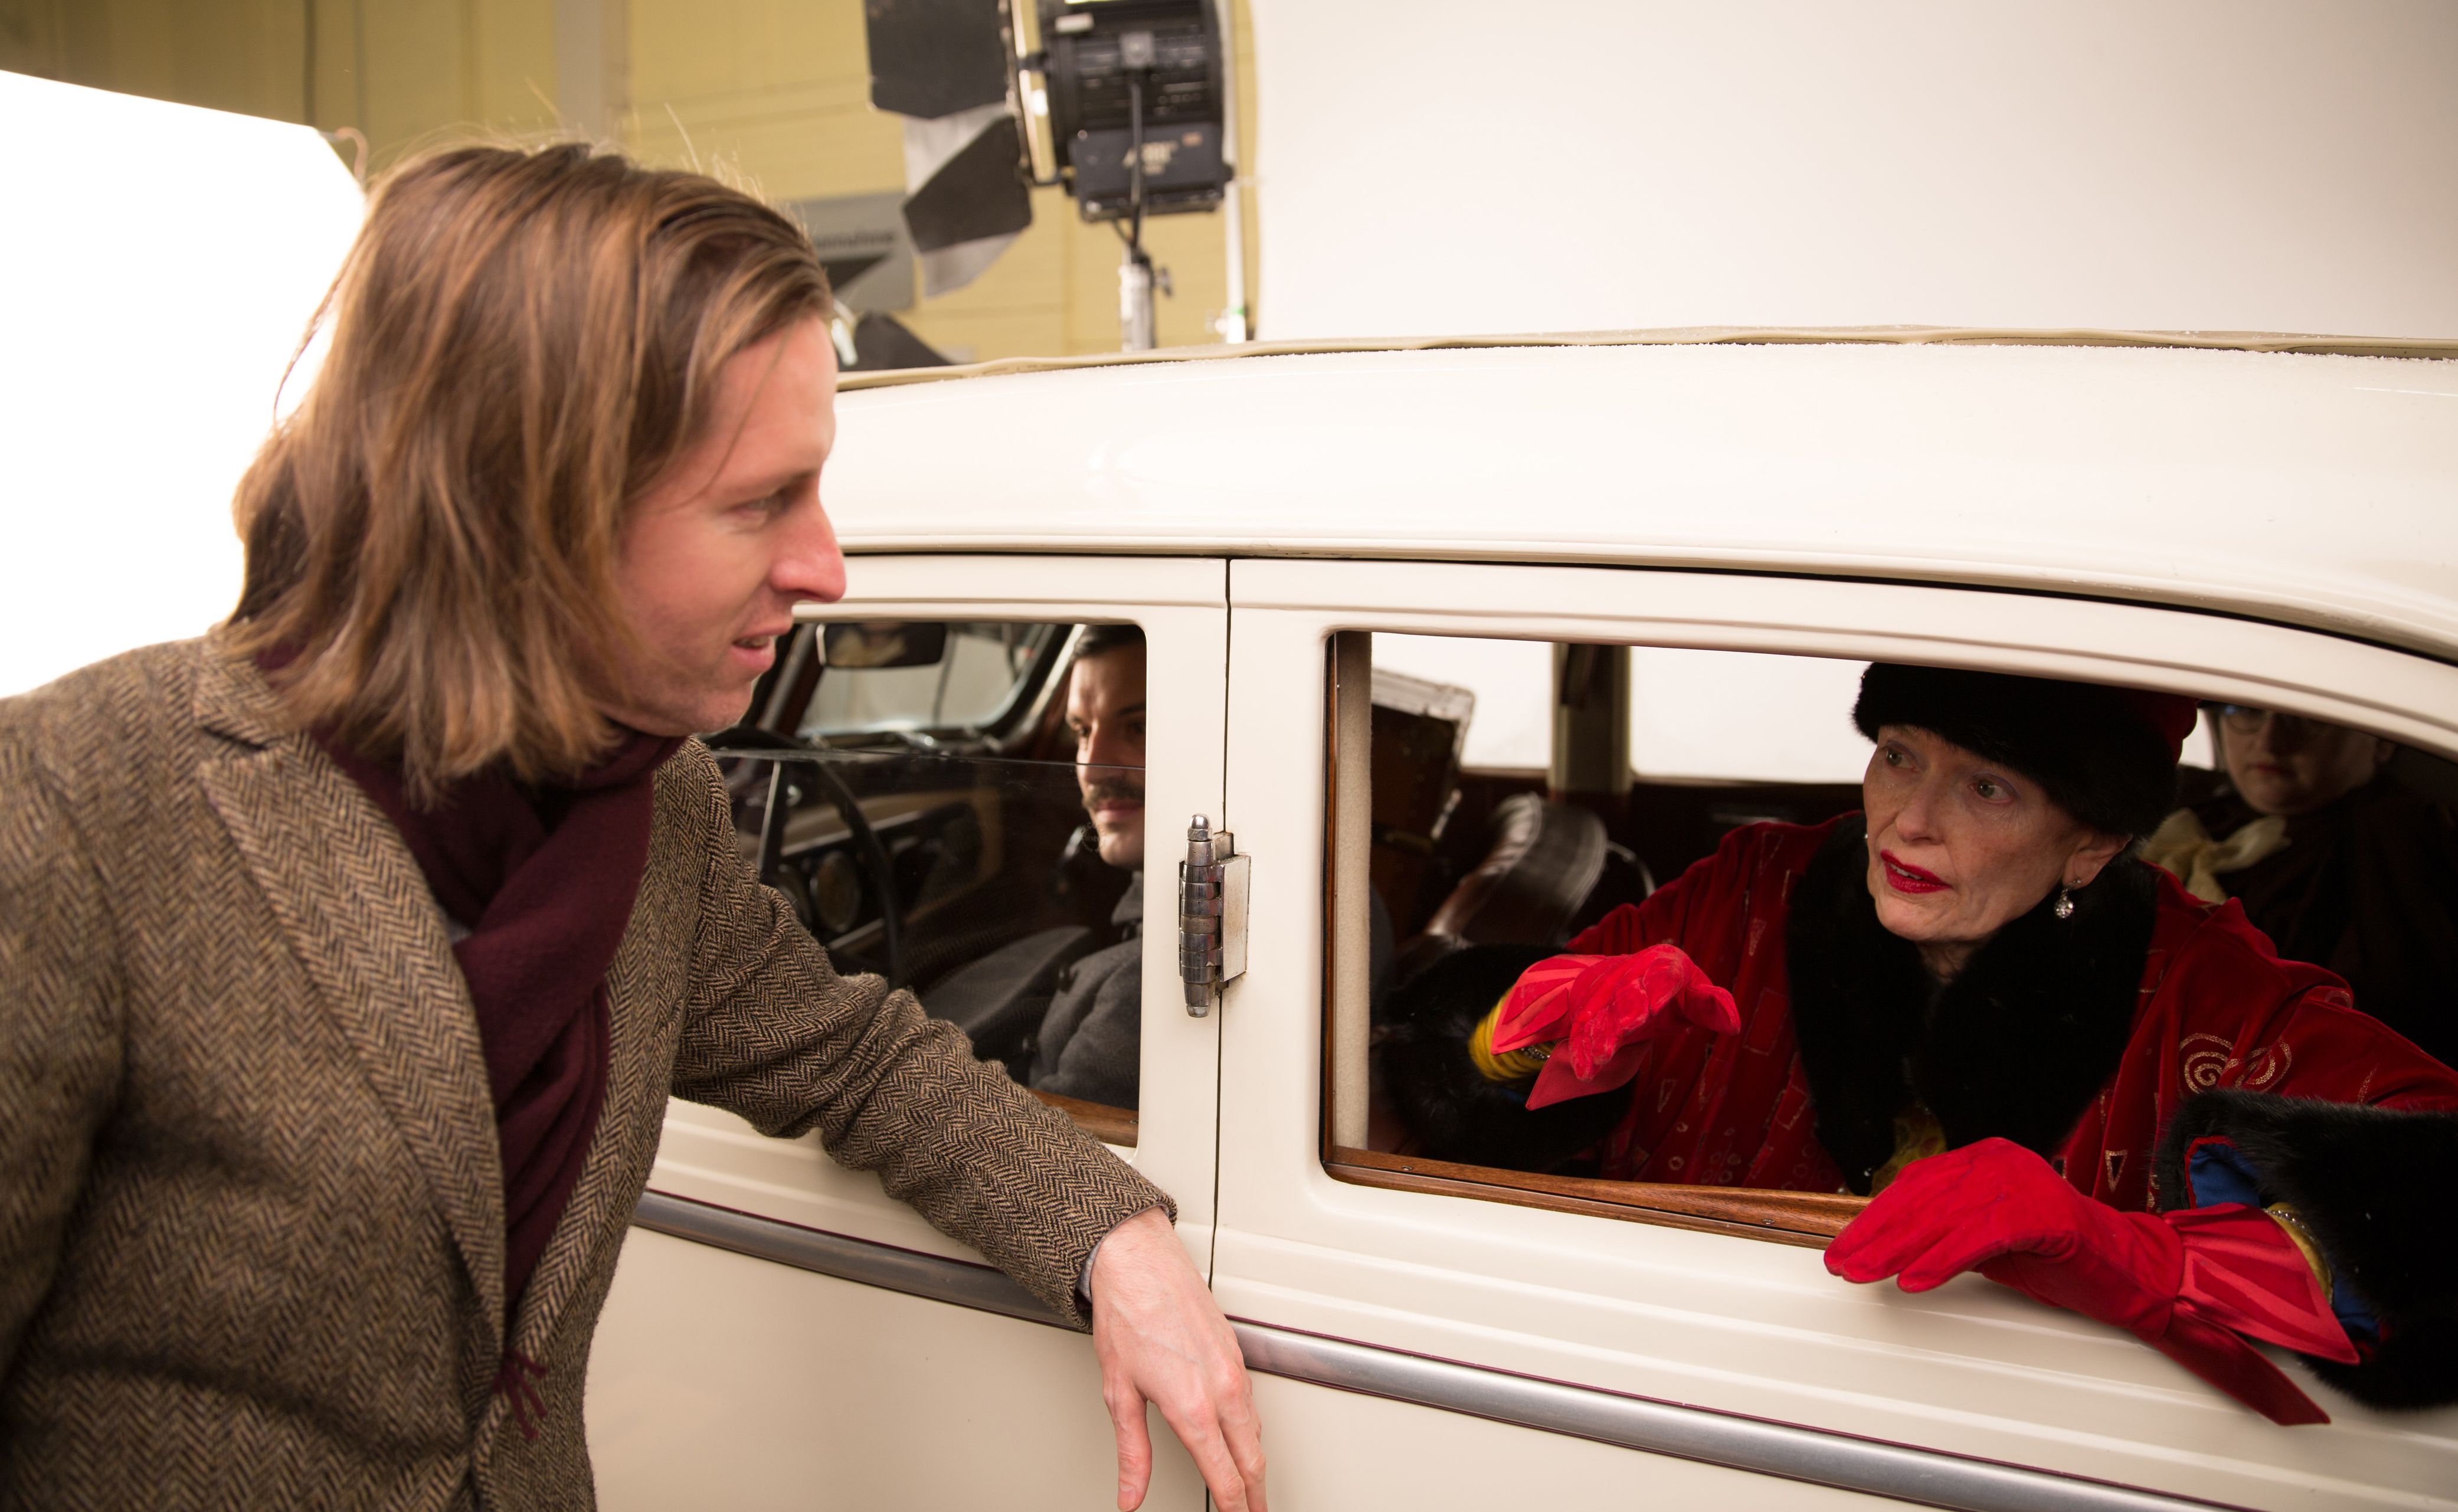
<point x="1123" y="102"/>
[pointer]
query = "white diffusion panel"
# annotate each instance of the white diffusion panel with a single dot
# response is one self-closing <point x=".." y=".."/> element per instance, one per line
<point x="162" y="263"/>
<point x="1450" y="167"/>
<point x="1732" y="716"/>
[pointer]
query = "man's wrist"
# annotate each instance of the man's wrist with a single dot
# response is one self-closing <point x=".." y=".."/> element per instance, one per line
<point x="1084" y="1277"/>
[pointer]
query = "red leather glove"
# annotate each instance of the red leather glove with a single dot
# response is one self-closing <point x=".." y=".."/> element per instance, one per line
<point x="2187" y="1283"/>
<point x="1605" y="1010"/>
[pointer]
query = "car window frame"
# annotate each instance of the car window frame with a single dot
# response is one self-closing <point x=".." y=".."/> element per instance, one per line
<point x="1181" y="603"/>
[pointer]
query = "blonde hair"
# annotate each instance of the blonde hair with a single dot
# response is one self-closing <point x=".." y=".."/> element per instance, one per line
<point x="521" y="341"/>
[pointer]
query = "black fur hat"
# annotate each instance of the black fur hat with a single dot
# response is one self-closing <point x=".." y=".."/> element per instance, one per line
<point x="2106" y="755"/>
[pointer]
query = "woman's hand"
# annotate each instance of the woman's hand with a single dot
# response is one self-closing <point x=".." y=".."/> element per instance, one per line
<point x="1605" y="1012"/>
<point x="1160" y="1339"/>
<point x="2185" y="1283"/>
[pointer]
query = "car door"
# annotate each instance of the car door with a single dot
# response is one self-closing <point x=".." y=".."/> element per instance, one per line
<point x="780" y="1333"/>
<point x="1446" y="1335"/>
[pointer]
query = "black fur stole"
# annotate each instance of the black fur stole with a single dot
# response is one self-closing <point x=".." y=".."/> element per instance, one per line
<point x="1422" y="1040"/>
<point x="2017" y="1046"/>
<point x="2375" y="1186"/>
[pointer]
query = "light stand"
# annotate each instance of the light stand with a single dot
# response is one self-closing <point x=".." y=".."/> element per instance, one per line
<point x="1137" y="321"/>
<point x="1136" y="318"/>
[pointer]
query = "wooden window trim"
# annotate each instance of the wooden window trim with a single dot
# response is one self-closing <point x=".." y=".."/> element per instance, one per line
<point x="1111" y="1126"/>
<point x="1806" y="1218"/>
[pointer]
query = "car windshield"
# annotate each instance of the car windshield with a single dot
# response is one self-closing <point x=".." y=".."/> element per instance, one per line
<point x="877" y="678"/>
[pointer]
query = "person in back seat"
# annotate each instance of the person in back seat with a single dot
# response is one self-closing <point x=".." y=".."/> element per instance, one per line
<point x="1091" y="1036"/>
<point x="2333" y="858"/>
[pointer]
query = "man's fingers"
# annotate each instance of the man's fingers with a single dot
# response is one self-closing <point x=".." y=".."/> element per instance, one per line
<point x="1220" y="1472"/>
<point x="1134" y="1442"/>
<point x="1245" y="1436"/>
<point x="1241" y="1432"/>
<point x="1202" y="1435"/>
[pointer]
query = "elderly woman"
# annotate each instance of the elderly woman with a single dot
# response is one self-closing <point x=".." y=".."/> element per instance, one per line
<point x="1973" y="1000"/>
<point x="2336" y="860"/>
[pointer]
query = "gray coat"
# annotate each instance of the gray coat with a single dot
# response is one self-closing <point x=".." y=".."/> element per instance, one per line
<point x="1092" y="1033"/>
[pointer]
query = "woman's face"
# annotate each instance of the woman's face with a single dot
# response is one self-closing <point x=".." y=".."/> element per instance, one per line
<point x="1959" y="846"/>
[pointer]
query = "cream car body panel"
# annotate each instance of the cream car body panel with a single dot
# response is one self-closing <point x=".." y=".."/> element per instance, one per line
<point x="2314" y="490"/>
<point x="2276" y="529"/>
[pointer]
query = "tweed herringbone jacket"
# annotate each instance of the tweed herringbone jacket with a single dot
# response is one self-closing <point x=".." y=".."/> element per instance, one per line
<point x="251" y="1210"/>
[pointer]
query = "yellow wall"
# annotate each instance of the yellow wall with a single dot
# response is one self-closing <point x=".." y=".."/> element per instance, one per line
<point x="779" y="91"/>
<point x="245" y="56"/>
<point x="772" y="93"/>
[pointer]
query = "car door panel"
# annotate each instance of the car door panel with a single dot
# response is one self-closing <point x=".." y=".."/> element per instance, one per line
<point x="773" y="1387"/>
<point x="721" y="1376"/>
<point x="1705" y="1320"/>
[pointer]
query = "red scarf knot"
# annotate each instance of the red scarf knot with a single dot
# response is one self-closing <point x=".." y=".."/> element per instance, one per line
<point x="516" y="1381"/>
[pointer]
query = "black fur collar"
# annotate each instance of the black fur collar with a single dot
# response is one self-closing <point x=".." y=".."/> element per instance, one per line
<point x="2017" y="1046"/>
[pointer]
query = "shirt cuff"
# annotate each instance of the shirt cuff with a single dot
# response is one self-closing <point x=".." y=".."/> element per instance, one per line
<point x="1084" y="1277"/>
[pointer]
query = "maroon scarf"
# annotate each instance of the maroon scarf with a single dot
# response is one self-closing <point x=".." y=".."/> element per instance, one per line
<point x="544" y="880"/>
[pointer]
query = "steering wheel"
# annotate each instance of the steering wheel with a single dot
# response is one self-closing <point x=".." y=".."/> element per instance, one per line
<point x="744" y="743"/>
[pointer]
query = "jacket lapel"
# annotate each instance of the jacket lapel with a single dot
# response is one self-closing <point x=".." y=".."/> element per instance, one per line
<point x="362" y="921"/>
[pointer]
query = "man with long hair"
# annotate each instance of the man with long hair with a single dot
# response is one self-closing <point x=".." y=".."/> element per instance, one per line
<point x="351" y="953"/>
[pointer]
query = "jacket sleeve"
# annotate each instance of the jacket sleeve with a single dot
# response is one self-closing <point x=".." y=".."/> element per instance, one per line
<point x="59" y="1031"/>
<point x="773" y="1033"/>
<point x="2372" y="1186"/>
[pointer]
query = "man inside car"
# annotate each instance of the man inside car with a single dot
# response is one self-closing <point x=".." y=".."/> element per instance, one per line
<point x="1091" y="1035"/>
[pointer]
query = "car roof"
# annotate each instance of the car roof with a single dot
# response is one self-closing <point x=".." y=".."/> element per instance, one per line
<point x="2307" y="480"/>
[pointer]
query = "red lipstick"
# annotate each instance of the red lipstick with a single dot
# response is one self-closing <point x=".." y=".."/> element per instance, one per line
<point x="1906" y="879"/>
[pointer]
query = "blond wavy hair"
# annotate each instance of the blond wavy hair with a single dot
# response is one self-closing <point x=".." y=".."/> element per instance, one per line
<point x="520" y="341"/>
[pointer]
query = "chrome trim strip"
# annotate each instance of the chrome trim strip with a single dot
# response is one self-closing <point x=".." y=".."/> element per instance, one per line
<point x="1702" y="1434"/>
<point x="840" y="1255"/>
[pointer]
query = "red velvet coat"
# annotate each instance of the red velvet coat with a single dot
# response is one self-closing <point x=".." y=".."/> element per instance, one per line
<point x="2217" y="1009"/>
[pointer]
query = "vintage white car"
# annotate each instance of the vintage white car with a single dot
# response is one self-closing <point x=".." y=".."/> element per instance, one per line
<point x="1415" y="617"/>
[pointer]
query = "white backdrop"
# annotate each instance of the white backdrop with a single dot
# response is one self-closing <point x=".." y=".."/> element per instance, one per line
<point x="159" y="265"/>
<point x="1794" y="725"/>
<point x="1444" y="166"/>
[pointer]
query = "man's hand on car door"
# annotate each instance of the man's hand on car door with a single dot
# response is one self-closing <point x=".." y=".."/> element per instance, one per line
<point x="1161" y="1338"/>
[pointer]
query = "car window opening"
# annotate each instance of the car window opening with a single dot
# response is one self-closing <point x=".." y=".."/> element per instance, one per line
<point x="957" y="807"/>
<point x="1461" y="858"/>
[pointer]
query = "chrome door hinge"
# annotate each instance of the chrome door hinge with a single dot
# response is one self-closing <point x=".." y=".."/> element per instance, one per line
<point x="1211" y="913"/>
